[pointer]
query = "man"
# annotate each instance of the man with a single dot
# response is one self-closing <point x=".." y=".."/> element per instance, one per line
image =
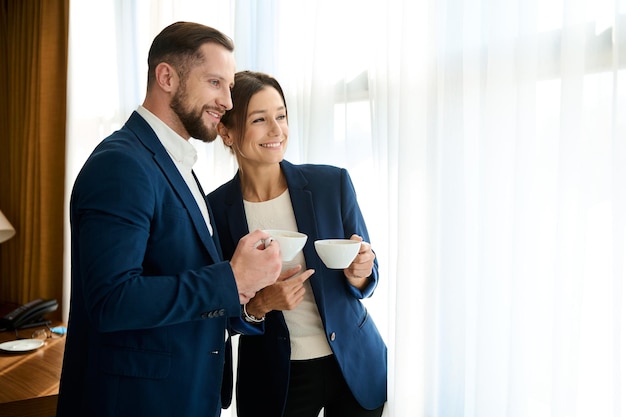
<point x="151" y="296"/>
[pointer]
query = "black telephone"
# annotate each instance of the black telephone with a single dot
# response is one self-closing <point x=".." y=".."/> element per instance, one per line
<point x="28" y="315"/>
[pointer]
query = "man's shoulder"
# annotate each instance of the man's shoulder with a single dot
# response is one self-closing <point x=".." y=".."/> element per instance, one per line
<point x="134" y="134"/>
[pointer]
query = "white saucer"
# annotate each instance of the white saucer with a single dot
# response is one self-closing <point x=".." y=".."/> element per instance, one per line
<point x="21" y="345"/>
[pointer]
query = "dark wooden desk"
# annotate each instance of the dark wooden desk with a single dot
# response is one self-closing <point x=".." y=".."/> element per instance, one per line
<point x="29" y="381"/>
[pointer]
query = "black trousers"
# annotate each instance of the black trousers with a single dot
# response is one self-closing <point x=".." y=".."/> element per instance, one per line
<point x="318" y="384"/>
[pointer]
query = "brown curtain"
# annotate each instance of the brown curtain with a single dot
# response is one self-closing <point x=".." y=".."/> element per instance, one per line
<point x="33" y="70"/>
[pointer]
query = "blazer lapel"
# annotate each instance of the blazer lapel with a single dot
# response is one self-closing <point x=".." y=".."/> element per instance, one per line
<point x="235" y="212"/>
<point x="147" y="136"/>
<point x="213" y="246"/>
<point x="302" y="203"/>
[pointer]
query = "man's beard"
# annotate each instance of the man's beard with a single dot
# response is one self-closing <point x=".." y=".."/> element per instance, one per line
<point x="192" y="120"/>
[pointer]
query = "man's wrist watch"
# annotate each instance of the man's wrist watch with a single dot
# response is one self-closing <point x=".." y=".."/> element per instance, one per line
<point x="250" y="318"/>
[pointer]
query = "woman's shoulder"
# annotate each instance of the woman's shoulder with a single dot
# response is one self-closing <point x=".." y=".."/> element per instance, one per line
<point x="223" y="190"/>
<point x="313" y="170"/>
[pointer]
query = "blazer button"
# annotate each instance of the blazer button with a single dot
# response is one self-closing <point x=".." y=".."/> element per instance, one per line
<point x="332" y="337"/>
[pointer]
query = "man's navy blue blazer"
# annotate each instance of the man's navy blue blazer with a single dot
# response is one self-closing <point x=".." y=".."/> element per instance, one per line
<point x="325" y="206"/>
<point x="151" y="295"/>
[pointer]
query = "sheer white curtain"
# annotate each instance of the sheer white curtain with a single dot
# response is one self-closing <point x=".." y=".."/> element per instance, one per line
<point x="503" y="122"/>
<point x="487" y="143"/>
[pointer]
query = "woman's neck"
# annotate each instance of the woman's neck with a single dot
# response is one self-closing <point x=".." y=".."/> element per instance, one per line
<point x="262" y="183"/>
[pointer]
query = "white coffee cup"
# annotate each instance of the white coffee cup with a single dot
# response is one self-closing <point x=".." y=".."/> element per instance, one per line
<point x="337" y="253"/>
<point x="290" y="242"/>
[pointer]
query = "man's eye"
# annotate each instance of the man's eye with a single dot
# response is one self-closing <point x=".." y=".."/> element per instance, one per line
<point x="216" y="83"/>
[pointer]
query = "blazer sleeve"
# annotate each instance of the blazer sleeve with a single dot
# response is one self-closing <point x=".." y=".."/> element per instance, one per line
<point x="354" y="223"/>
<point x="138" y="258"/>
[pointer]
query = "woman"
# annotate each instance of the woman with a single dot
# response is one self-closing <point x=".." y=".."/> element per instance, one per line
<point x="320" y="349"/>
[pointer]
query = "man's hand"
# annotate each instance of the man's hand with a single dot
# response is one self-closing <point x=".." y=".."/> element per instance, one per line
<point x="255" y="264"/>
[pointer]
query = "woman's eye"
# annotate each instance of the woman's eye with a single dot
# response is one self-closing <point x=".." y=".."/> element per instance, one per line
<point x="259" y="120"/>
<point x="215" y="83"/>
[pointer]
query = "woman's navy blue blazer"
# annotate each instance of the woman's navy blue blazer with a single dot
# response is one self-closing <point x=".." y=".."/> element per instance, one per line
<point x="325" y="206"/>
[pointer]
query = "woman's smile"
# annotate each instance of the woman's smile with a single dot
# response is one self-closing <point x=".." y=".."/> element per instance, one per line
<point x="272" y="145"/>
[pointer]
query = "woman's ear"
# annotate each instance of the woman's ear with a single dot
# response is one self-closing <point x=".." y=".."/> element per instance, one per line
<point x="223" y="132"/>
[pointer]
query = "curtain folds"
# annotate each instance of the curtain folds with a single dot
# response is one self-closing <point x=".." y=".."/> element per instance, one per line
<point x="521" y="220"/>
<point x="34" y="52"/>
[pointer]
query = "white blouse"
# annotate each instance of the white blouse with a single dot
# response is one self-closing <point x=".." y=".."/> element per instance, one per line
<point x="306" y="331"/>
